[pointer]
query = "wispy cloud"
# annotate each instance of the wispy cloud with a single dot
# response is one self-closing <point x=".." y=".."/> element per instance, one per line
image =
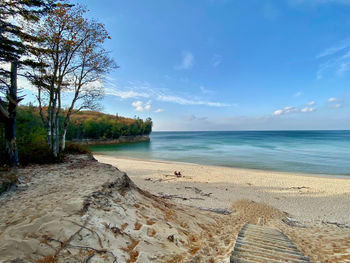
<point x="344" y="44"/>
<point x="205" y="90"/>
<point x="311" y="103"/>
<point x="216" y="60"/>
<point x="159" y="110"/>
<point x="337" y="106"/>
<point x="332" y="99"/>
<point x="185" y="101"/>
<point x="187" y="61"/>
<point x="192" y="117"/>
<point x="140" y="106"/>
<point x="336" y="59"/>
<point x="125" y="94"/>
<point x="297" y="94"/>
<point x="144" y="90"/>
<point x="342" y="68"/>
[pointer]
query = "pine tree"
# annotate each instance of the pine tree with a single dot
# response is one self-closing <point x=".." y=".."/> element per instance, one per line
<point x="13" y="47"/>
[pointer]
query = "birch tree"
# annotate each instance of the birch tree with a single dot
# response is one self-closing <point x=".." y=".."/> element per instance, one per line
<point x="75" y="65"/>
<point x="15" y="45"/>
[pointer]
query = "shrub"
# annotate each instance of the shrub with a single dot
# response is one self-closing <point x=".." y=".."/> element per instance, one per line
<point x="37" y="152"/>
<point x="73" y="148"/>
<point x="6" y="181"/>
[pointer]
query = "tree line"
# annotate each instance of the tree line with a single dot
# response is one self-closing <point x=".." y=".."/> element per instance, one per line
<point x="96" y="125"/>
<point x="59" y="51"/>
<point x="83" y="125"/>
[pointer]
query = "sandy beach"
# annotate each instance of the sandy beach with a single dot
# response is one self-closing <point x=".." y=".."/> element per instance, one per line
<point x="82" y="210"/>
<point x="309" y="198"/>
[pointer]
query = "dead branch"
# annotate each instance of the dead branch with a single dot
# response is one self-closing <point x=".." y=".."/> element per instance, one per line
<point x="179" y="197"/>
<point x="92" y="231"/>
<point x="223" y="211"/>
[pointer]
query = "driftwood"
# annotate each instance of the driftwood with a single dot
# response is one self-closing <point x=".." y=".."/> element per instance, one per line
<point x="198" y="191"/>
<point x="160" y="179"/>
<point x="292" y="222"/>
<point x="336" y="224"/>
<point x="223" y="211"/>
<point x="177" y="176"/>
<point x="299" y="187"/>
<point x="179" y="197"/>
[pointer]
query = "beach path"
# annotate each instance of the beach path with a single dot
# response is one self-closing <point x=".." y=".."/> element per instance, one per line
<point x="263" y="244"/>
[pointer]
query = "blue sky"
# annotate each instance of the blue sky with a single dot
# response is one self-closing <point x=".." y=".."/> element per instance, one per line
<point x="229" y="64"/>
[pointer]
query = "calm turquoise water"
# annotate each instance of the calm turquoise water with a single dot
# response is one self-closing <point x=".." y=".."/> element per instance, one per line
<point x="320" y="152"/>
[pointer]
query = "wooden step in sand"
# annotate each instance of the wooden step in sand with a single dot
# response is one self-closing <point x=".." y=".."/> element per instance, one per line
<point x="263" y="244"/>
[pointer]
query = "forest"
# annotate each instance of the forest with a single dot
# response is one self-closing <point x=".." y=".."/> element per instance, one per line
<point x="32" y="137"/>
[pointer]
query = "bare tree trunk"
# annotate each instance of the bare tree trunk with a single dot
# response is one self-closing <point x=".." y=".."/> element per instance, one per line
<point x="56" y="137"/>
<point x="63" y="139"/>
<point x="10" y="125"/>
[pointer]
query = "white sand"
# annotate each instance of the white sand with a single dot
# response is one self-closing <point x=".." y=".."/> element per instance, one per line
<point x="307" y="197"/>
<point x="86" y="211"/>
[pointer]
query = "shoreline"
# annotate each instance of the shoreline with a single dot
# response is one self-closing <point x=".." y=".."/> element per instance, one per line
<point x="120" y="140"/>
<point x="306" y="197"/>
<point x="317" y="175"/>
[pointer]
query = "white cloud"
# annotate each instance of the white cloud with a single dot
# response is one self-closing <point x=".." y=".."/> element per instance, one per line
<point x="332" y="99"/>
<point x="137" y="105"/>
<point x="185" y="101"/>
<point x="285" y="110"/>
<point x="158" y="110"/>
<point x="187" y="61"/>
<point x="308" y="109"/>
<point x="278" y="112"/>
<point x="140" y="106"/>
<point x="144" y="90"/>
<point x="311" y="103"/>
<point x="216" y="60"/>
<point x="338" y="106"/>
<point x="126" y="94"/>
<point x="148" y="106"/>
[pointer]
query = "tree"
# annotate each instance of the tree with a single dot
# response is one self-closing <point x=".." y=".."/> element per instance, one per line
<point x="13" y="46"/>
<point x="75" y="64"/>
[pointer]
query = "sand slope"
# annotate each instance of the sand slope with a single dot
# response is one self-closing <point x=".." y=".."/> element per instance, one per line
<point x="86" y="211"/>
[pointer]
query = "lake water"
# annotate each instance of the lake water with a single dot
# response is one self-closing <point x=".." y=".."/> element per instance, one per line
<point x="319" y="152"/>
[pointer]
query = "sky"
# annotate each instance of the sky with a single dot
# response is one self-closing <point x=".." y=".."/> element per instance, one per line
<point x="228" y="64"/>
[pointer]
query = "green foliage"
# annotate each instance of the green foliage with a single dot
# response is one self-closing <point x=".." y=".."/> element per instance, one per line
<point x="32" y="141"/>
<point x="6" y="181"/>
<point x="96" y="125"/>
<point x="31" y="137"/>
<point x="38" y="153"/>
